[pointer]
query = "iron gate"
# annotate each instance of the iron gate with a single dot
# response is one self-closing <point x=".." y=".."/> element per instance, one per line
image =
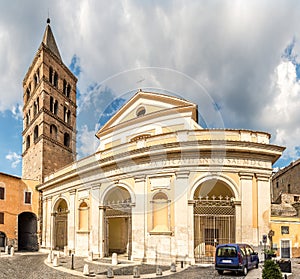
<point x="214" y="223"/>
<point x="122" y="210"/>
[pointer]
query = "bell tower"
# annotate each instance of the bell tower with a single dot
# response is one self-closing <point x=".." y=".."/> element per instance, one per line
<point x="49" y="112"/>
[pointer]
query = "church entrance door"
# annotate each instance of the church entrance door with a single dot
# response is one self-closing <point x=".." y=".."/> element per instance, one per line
<point x="118" y="228"/>
<point x="60" y="225"/>
<point x="214" y="219"/>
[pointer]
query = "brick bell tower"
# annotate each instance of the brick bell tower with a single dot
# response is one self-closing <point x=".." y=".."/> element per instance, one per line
<point x="49" y="112"/>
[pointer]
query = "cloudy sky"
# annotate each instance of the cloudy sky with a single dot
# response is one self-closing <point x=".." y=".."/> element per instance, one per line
<point x="238" y="60"/>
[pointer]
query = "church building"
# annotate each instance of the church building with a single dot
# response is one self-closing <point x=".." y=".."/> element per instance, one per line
<point x="160" y="188"/>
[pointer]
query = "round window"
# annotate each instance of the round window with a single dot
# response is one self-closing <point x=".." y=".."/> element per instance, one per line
<point x="140" y="111"/>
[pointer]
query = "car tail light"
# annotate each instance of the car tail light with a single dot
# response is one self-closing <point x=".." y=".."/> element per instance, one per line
<point x="240" y="258"/>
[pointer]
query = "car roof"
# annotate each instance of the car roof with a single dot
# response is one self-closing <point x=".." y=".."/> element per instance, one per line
<point x="232" y="244"/>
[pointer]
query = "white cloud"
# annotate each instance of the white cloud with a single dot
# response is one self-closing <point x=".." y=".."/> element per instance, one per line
<point x="281" y="115"/>
<point x="86" y="141"/>
<point x="14" y="158"/>
<point x="17" y="111"/>
<point x="229" y="47"/>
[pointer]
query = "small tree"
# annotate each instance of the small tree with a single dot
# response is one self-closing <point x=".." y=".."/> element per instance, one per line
<point x="271" y="270"/>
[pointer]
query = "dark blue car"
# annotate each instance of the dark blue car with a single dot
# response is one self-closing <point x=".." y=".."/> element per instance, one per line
<point x="235" y="257"/>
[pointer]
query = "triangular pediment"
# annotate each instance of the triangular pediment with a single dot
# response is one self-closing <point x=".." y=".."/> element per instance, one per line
<point x="146" y="105"/>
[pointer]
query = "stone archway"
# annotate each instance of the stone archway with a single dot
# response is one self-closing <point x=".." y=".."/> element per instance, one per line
<point x="117" y="220"/>
<point x="60" y="229"/>
<point x="27" y="232"/>
<point x="2" y="241"/>
<point x="214" y="218"/>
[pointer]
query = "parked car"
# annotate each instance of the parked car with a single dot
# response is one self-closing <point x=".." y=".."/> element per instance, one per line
<point x="235" y="257"/>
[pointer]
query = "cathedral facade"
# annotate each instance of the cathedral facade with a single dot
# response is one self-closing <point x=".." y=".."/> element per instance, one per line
<point x="160" y="188"/>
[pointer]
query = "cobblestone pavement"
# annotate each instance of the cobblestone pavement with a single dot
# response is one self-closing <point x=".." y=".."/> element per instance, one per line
<point x="34" y="266"/>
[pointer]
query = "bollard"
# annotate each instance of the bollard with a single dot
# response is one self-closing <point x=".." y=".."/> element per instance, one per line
<point x="65" y="251"/>
<point x="158" y="271"/>
<point x="49" y="258"/>
<point x="114" y="259"/>
<point x="136" y="272"/>
<point x="6" y="250"/>
<point x="181" y="264"/>
<point x="86" y="270"/>
<point x="55" y="261"/>
<point x="173" y="267"/>
<point x="72" y="261"/>
<point x="110" y="273"/>
<point x="90" y="257"/>
<point x="12" y="251"/>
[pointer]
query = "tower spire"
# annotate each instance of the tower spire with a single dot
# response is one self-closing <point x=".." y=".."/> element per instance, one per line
<point x="49" y="40"/>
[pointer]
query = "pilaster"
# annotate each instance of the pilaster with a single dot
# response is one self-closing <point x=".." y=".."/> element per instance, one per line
<point x="139" y="222"/>
<point x="263" y="204"/>
<point x="72" y="221"/>
<point x="248" y="231"/>
<point x="183" y="224"/>
<point x="94" y="217"/>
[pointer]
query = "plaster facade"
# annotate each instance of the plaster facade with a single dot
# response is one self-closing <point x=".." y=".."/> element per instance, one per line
<point x="160" y="188"/>
<point x="19" y="203"/>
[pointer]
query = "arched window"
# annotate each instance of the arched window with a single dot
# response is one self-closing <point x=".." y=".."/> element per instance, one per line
<point x="35" y="80"/>
<point x="27" y="142"/>
<point x="55" y="108"/>
<point x="64" y="87"/>
<point x="37" y="104"/>
<point x="36" y="133"/>
<point x="67" y="115"/>
<point x="160" y="211"/>
<point x="66" y="140"/>
<point x="53" y="131"/>
<point x="27" y="119"/>
<point x="83" y="222"/>
<point x="27" y="94"/>
<point x="38" y="75"/>
<point x="51" y="75"/>
<point x="55" y="81"/>
<point x="68" y="90"/>
<point x="35" y="108"/>
<point x="51" y="104"/>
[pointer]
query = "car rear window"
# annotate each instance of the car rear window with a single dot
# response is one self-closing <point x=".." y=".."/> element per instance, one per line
<point x="228" y="251"/>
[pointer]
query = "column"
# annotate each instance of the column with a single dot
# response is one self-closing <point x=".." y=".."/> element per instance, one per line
<point x="247" y="230"/>
<point x="263" y="204"/>
<point x="139" y="219"/>
<point x="183" y="222"/>
<point x="101" y="231"/>
<point x="94" y="219"/>
<point x="72" y="221"/>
